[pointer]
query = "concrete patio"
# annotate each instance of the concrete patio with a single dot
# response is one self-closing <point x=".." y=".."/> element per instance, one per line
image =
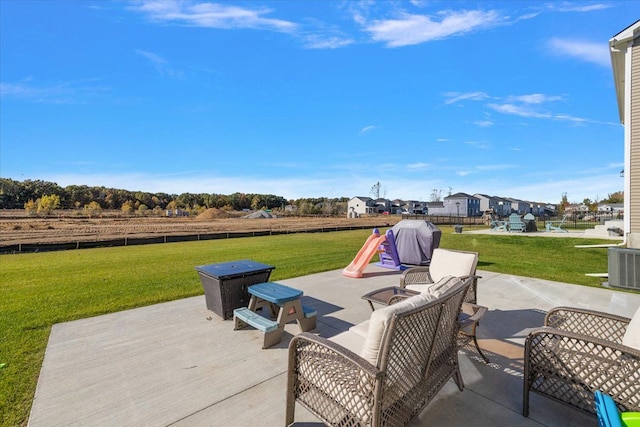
<point x="178" y="364"/>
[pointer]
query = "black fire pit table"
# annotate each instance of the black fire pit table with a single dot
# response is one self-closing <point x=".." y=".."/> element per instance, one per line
<point x="225" y="284"/>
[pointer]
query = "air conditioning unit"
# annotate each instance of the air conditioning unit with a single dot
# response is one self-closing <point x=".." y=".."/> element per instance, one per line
<point x="624" y="268"/>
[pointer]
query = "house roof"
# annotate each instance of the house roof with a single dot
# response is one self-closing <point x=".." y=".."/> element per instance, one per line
<point x="460" y="196"/>
<point x="618" y="46"/>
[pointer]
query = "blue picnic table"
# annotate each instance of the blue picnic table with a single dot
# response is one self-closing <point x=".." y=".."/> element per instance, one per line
<point x="283" y="303"/>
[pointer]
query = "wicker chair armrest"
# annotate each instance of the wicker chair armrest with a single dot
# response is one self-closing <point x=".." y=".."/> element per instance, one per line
<point x="331" y="349"/>
<point x="598" y="324"/>
<point x="415" y="275"/>
<point x="477" y="312"/>
<point x="331" y="381"/>
<point x="595" y="363"/>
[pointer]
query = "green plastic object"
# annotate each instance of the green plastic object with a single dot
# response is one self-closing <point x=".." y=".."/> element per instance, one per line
<point x="630" y="419"/>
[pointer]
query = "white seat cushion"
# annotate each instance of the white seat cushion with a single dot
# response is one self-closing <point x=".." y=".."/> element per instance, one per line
<point x="349" y="340"/>
<point x="361" y="329"/>
<point x="452" y="263"/>
<point x="631" y="337"/>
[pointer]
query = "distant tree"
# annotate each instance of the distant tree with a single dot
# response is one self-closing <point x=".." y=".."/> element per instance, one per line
<point x="92" y="209"/>
<point x="617" y="197"/>
<point x="593" y="206"/>
<point x="375" y="190"/>
<point x="563" y="204"/>
<point x="329" y="207"/>
<point x="143" y="209"/>
<point x="256" y="202"/>
<point x="305" y="208"/>
<point x="31" y="207"/>
<point x="46" y="204"/>
<point x="174" y="204"/>
<point x="436" y="195"/>
<point x="128" y="207"/>
<point x="11" y="194"/>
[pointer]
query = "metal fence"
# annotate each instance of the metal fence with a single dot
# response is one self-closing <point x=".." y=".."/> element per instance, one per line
<point x="130" y="241"/>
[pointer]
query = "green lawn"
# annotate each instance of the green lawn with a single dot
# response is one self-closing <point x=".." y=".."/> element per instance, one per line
<point x="38" y="290"/>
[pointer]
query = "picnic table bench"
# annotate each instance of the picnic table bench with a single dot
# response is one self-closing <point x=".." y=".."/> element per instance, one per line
<point x="281" y="303"/>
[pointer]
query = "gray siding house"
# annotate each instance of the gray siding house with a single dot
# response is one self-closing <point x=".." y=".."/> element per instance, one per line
<point x="462" y="205"/>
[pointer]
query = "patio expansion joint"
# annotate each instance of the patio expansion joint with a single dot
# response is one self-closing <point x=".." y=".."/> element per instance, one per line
<point x="502" y="405"/>
<point x="186" y="417"/>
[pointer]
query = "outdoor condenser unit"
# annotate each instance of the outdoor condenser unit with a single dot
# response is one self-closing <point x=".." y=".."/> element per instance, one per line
<point x="624" y="268"/>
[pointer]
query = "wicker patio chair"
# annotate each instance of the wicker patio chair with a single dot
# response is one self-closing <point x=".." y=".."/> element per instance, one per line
<point x="417" y="355"/>
<point x="580" y="351"/>
<point x="444" y="262"/>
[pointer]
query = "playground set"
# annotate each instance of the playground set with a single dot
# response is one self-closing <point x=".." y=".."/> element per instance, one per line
<point x="408" y="242"/>
<point x="383" y="245"/>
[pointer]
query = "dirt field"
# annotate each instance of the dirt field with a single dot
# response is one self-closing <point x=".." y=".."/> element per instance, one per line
<point x="15" y="228"/>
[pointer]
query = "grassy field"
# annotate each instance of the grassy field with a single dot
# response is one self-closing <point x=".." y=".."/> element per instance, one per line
<point x="39" y="290"/>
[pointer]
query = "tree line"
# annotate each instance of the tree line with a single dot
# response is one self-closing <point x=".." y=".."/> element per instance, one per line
<point x="37" y="196"/>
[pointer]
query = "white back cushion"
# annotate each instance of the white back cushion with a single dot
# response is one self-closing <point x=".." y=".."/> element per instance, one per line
<point x="631" y="337"/>
<point x="451" y="263"/>
<point x="378" y="324"/>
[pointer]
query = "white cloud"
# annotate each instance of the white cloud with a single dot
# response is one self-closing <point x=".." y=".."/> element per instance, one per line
<point x="596" y="53"/>
<point x="518" y="110"/>
<point x="519" y="105"/>
<point x="358" y="181"/>
<point x="483" y="123"/>
<point x="453" y="97"/>
<point x="410" y="29"/>
<point x="366" y="129"/>
<point x="479" y="145"/>
<point x="528" y="111"/>
<point x="573" y="7"/>
<point x="534" y="98"/>
<point x="68" y="92"/>
<point x="495" y="167"/>
<point x="420" y="165"/>
<point x="212" y="15"/>
<point x="161" y="65"/>
<point x="318" y="41"/>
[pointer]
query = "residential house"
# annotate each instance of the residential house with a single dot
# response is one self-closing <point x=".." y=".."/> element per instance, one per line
<point x="360" y="206"/>
<point x="503" y="208"/>
<point x="397" y="206"/>
<point x="435" y="208"/>
<point x="537" y="209"/>
<point x="462" y="205"/>
<point x="487" y="202"/>
<point x="576" y="209"/>
<point x="611" y="208"/>
<point x="625" y="59"/>
<point x="382" y="206"/>
<point x="519" y="206"/>
<point x="414" y="207"/>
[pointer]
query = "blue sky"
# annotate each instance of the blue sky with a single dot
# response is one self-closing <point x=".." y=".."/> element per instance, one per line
<point x="314" y="98"/>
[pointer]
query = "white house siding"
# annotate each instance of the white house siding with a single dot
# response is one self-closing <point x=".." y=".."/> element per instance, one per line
<point x="634" y="125"/>
<point x="360" y="205"/>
